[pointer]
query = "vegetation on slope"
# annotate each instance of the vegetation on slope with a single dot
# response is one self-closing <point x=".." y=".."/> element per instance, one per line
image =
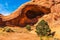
<point x="42" y="29"/>
<point x="7" y="29"/>
<point x="28" y="27"/>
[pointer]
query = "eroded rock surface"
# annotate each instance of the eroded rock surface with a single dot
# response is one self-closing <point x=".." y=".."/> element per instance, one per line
<point x="30" y="12"/>
<point x="29" y="15"/>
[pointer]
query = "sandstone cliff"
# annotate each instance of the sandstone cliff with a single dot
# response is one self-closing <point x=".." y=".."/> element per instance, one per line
<point x="30" y="12"/>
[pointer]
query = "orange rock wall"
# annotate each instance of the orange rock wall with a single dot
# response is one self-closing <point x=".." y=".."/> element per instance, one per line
<point x="29" y="16"/>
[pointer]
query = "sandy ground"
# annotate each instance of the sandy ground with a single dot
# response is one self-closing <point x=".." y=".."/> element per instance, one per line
<point x="19" y="34"/>
<point x="57" y="30"/>
<point x="24" y="34"/>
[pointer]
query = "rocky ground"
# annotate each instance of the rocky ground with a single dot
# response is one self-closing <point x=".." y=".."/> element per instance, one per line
<point x="19" y="34"/>
<point x="23" y="34"/>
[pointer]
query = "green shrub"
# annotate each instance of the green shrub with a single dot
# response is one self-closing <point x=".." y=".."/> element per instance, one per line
<point x="28" y="27"/>
<point x="42" y="29"/>
<point x="6" y="29"/>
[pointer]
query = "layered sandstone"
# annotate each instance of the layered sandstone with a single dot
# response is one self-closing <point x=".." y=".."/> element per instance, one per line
<point x="30" y="12"/>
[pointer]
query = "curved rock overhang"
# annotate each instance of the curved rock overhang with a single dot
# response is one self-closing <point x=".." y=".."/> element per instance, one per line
<point x="28" y="15"/>
<point x="31" y="13"/>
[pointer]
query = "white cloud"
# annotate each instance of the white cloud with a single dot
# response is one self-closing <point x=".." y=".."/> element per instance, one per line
<point x="5" y="13"/>
<point x="3" y="10"/>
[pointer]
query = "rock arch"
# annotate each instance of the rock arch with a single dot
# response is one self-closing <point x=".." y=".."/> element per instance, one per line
<point x="29" y="14"/>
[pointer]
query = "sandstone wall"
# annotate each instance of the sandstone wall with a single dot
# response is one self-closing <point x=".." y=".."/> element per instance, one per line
<point x="35" y="9"/>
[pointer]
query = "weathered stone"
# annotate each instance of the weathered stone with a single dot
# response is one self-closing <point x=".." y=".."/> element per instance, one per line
<point x="2" y="23"/>
<point x="29" y="13"/>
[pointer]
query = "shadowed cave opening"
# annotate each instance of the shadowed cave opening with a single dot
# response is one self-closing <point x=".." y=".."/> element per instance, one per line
<point x="33" y="11"/>
<point x="33" y="14"/>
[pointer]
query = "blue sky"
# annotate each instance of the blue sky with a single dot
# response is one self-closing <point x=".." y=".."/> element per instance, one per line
<point x="8" y="6"/>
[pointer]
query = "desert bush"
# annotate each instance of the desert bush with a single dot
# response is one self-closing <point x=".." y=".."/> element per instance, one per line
<point x="7" y="29"/>
<point x="28" y="27"/>
<point x="42" y="29"/>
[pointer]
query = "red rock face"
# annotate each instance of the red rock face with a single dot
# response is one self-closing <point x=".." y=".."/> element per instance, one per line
<point x="29" y="16"/>
<point x="31" y="13"/>
<point x="2" y="23"/>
